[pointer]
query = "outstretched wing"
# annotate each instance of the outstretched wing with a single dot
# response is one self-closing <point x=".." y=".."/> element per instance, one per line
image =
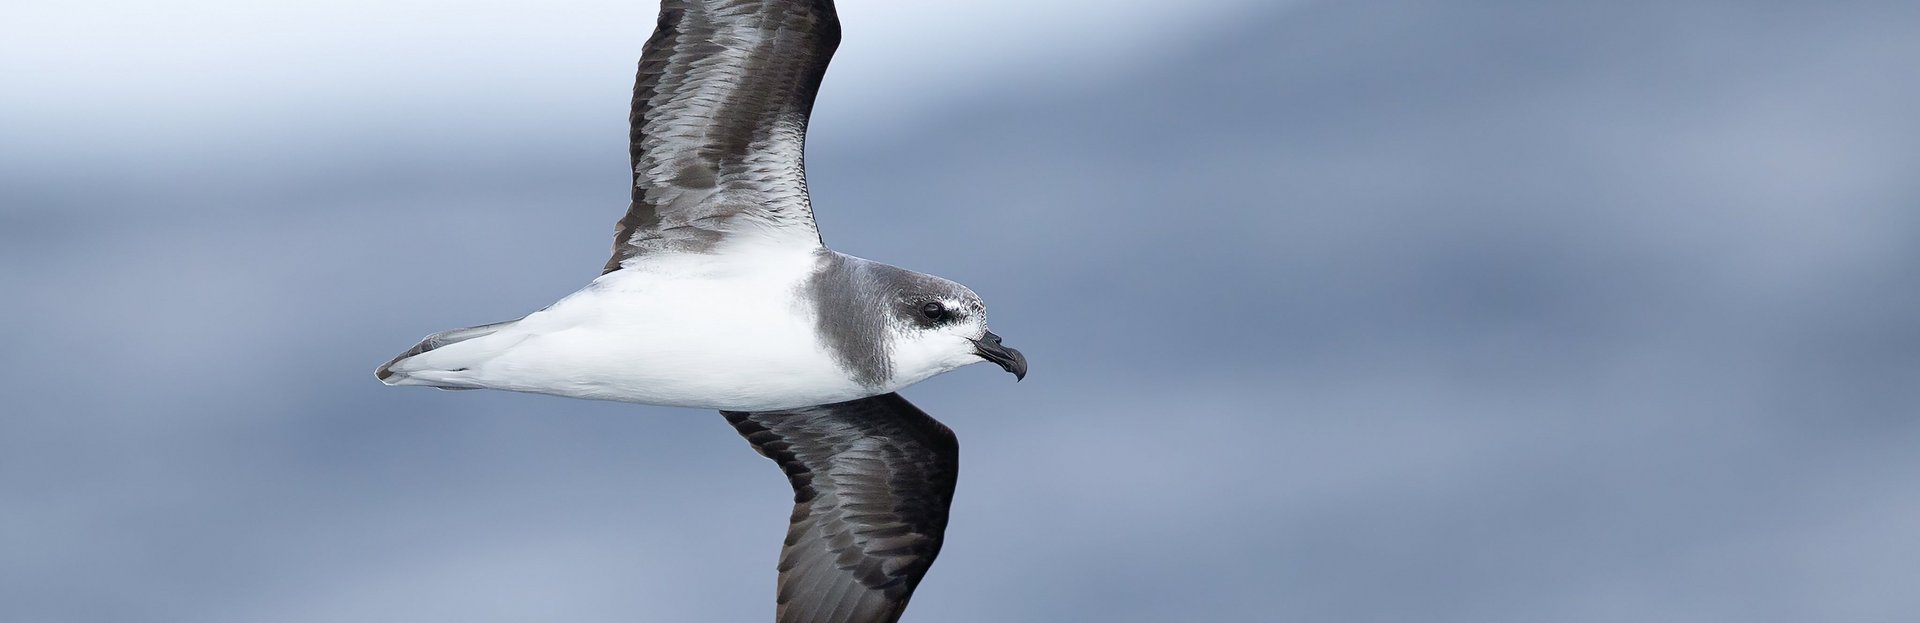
<point x="872" y="480"/>
<point x="720" y="107"/>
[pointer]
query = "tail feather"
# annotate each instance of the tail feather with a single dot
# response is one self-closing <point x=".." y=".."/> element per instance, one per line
<point x="388" y="375"/>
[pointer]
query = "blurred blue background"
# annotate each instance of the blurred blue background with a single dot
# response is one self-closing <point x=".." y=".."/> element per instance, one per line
<point x="1359" y="311"/>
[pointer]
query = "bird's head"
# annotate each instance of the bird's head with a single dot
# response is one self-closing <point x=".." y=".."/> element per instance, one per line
<point x="937" y="325"/>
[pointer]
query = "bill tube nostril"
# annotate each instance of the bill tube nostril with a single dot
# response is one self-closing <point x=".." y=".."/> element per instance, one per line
<point x="988" y="347"/>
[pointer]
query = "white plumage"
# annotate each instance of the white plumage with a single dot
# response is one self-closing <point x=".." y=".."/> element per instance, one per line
<point x="719" y="295"/>
<point x="730" y="332"/>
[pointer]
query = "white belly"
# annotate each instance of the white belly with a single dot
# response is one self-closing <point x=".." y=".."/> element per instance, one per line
<point x="739" y="341"/>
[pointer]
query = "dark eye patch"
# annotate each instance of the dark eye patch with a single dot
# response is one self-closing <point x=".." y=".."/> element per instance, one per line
<point x="935" y="311"/>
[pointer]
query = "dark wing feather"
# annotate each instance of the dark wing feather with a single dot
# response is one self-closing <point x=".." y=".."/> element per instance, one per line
<point x="872" y="480"/>
<point x="720" y="107"/>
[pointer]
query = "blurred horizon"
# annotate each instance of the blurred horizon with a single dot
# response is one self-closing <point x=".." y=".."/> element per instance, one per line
<point x="1362" y="311"/>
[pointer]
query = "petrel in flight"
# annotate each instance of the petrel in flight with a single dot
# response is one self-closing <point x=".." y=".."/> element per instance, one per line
<point x="720" y="295"/>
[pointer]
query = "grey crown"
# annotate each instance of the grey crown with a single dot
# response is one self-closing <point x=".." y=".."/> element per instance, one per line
<point x="719" y="121"/>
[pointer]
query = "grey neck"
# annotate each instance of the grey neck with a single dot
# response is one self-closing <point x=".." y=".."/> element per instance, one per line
<point x="852" y="299"/>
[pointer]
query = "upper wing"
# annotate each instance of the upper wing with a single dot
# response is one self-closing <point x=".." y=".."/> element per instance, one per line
<point x="719" y="120"/>
<point x="872" y="480"/>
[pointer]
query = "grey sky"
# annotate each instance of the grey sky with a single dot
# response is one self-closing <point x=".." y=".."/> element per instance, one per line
<point x="1354" y="311"/>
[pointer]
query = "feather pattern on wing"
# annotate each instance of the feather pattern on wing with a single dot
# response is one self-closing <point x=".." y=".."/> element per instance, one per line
<point x="719" y="123"/>
<point x="872" y="480"/>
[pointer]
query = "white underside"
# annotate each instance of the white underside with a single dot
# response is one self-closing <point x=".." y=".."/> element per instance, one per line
<point x="679" y="331"/>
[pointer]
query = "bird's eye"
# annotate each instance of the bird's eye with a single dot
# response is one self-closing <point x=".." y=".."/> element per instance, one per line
<point x="934" y="311"/>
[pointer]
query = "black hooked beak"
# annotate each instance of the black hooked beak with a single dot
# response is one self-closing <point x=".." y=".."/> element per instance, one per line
<point x="988" y="347"/>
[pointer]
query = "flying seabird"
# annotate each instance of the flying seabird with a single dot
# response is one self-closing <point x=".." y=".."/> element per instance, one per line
<point x="721" y="295"/>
